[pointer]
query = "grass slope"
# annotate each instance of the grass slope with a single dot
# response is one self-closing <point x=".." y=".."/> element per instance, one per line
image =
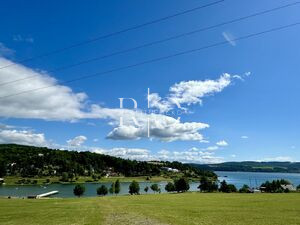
<point x="187" y="209"/>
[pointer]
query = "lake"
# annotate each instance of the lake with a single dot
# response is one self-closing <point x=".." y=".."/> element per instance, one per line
<point x="253" y="179"/>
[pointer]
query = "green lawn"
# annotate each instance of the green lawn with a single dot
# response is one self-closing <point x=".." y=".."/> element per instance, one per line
<point x="188" y="209"/>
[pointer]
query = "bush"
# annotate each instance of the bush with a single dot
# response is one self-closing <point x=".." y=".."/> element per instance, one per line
<point x="146" y="189"/>
<point x="134" y="188"/>
<point x="117" y="187"/>
<point x="170" y="187"/>
<point x="244" y="189"/>
<point x="182" y="185"/>
<point x="102" y="190"/>
<point x="227" y="188"/>
<point x="112" y="188"/>
<point x="207" y="185"/>
<point x="154" y="187"/>
<point x="79" y="190"/>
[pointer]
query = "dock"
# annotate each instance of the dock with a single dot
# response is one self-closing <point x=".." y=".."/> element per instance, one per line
<point x="47" y="194"/>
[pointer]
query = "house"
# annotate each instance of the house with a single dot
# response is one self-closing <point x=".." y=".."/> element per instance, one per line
<point x="289" y="187"/>
<point x="170" y="169"/>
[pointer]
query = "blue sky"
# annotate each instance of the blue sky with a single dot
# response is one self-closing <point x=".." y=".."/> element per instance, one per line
<point x="262" y="107"/>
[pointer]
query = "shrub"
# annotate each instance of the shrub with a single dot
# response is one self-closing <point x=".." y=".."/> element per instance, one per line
<point x="182" y="185"/>
<point x="134" y="188"/>
<point x="170" y="187"/>
<point x="154" y="187"/>
<point x="102" y="190"/>
<point x="79" y="190"/>
<point x="207" y="185"/>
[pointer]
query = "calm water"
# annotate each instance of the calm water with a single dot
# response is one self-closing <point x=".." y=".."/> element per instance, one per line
<point x="255" y="179"/>
<point x="66" y="190"/>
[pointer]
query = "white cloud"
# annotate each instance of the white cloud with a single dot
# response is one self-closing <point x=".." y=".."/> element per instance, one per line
<point x="189" y="92"/>
<point x="278" y="158"/>
<point x="21" y="38"/>
<point x="233" y="155"/>
<point x="4" y="51"/>
<point x="77" y="141"/>
<point x="188" y="156"/>
<point x="229" y="37"/>
<point x="22" y="137"/>
<point x="222" y="143"/>
<point x="212" y="148"/>
<point x="244" y="137"/>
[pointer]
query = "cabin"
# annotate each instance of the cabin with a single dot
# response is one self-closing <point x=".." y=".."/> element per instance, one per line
<point x="170" y="169"/>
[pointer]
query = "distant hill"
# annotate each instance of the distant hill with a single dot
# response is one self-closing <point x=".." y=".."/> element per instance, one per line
<point x="252" y="166"/>
<point x="29" y="161"/>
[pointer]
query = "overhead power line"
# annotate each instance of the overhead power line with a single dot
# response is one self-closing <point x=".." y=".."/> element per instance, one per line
<point x="157" y="59"/>
<point x="157" y="42"/>
<point x="112" y="34"/>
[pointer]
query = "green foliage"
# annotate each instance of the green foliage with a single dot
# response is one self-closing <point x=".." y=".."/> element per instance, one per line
<point x="274" y="186"/>
<point x="29" y="161"/>
<point x="79" y="190"/>
<point x="64" y="177"/>
<point x="146" y="189"/>
<point x="112" y="188"/>
<point x="182" y="184"/>
<point x="134" y="188"/>
<point x="207" y="185"/>
<point x="298" y="187"/>
<point x="117" y="187"/>
<point x="244" y="189"/>
<point x="227" y="188"/>
<point x="102" y="190"/>
<point x="154" y="187"/>
<point x="170" y="187"/>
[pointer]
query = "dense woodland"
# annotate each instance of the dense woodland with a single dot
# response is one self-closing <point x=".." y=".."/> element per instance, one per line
<point x="252" y="166"/>
<point x="29" y="161"/>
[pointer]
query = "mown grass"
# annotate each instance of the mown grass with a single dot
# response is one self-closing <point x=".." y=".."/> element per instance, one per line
<point x="11" y="180"/>
<point x="181" y="209"/>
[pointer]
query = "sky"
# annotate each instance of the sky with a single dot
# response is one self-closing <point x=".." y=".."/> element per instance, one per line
<point x="235" y="101"/>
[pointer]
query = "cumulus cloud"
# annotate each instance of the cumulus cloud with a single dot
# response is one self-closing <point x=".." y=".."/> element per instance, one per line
<point x="9" y="135"/>
<point x="244" y="137"/>
<point x="77" y="141"/>
<point x="193" y="155"/>
<point x="222" y="143"/>
<point x="190" y="92"/>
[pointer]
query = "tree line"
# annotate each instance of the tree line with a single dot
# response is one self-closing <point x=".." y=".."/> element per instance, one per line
<point x="182" y="185"/>
<point x="29" y="161"/>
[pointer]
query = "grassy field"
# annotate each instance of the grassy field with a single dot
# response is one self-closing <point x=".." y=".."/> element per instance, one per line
<point x="185" y="209"/>
<point x="11" y="180"/>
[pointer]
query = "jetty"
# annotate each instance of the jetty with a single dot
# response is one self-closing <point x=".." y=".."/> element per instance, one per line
<point x="47" y="194"/>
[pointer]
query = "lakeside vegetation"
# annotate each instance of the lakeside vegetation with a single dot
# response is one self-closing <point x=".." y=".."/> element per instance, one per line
<point x="35" y="165"/>
<point x="252" y="166"/>
<point x="158" y="209"/>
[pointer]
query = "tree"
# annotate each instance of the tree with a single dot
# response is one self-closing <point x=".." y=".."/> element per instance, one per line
<point x="79" y="190"/>
<point x="227" y="188"/>
<point x="64" y="177"/>
<point x="102" y="190"/>
<point x="182" y="185"/>
<point x="154" y="187"/>
<point x="298" y="187"/>
<point x="146" y="189"/>
<point x="134" y="188"/>
<point x="207" y="185"/>
<point x="117" y="187"/>
<point x="112" y="188"/>
<point x="170" y="187"/>
<point x="244" y="189"/>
